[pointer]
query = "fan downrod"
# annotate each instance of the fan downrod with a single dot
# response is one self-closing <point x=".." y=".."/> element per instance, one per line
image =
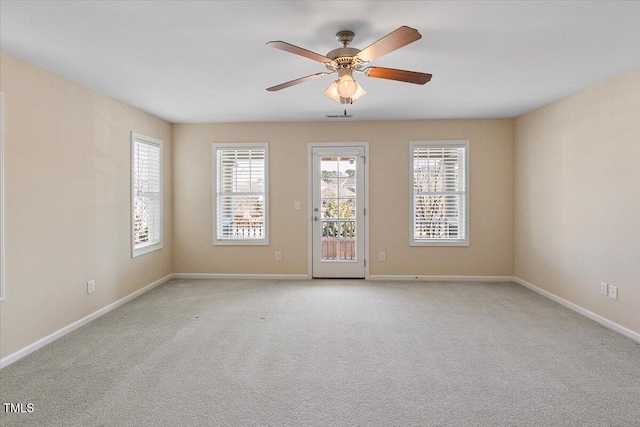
<point x="343" y="57"/>
<point x="345" y="37"/>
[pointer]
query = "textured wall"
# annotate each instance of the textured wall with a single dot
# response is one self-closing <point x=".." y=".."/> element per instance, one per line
<point x="578" y="198"/>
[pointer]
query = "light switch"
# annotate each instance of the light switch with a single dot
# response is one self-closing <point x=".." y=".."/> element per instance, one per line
<point x="296" y="205"/>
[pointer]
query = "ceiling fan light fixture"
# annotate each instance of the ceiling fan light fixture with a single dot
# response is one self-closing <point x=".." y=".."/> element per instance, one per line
<point x="333" y="93"/>
<point x="347" y="87"/>
<point x="360" y="92"/>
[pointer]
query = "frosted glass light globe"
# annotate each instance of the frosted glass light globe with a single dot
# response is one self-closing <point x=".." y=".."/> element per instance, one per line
<point x="347" y="87"/>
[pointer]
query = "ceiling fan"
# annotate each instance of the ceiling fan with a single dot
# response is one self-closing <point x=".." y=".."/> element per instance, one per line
<point x="346" y="61"/>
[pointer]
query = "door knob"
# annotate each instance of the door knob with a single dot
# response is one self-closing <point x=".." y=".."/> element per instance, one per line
<point x="315" y="218"/>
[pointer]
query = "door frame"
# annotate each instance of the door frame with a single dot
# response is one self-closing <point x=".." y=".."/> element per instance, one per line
<point x="310" y="189"/>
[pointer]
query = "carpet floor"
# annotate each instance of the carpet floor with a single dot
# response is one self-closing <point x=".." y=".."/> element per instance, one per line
<point x="331" y="353"/>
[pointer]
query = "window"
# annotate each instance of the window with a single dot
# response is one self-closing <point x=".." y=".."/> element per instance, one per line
<point x="146" y="190"/>
<point x="241" y="203"/>
<point x="440" y="197"/>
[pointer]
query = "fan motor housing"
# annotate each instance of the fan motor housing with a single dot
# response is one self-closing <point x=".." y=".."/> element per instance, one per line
<point x="342" y="53"/>
<point x="344" y="57"/>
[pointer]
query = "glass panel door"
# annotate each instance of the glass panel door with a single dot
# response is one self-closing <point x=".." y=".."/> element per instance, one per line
<point x="338" y="212"/>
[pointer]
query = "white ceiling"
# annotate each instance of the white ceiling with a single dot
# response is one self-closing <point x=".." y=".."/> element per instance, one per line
<point x="206" y="61"/>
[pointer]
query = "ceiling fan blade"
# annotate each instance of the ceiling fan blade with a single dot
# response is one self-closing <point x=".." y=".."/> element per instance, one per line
<point x="392" y="41"/>
<point x="297" y="81"/>
<point x="399" y="75"/>
<point x="288" y="47"/>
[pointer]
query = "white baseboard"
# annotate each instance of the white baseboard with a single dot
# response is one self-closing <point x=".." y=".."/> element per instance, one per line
<point x="240" y="276"/>
<point x="443" y="278"/>
<point x="591" y="315"/>
<point x="75" y="325"/>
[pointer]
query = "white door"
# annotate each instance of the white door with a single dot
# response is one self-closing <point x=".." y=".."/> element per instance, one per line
<point x="338" y="211"/>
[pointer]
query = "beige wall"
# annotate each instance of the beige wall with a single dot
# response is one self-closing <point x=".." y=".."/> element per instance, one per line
<point x="577" y="164"/>
<point x="67" y="193"/>
<point x="67" y="190"/>
<point x="491" y="234"/>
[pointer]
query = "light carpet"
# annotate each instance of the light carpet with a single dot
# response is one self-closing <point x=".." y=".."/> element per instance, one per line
<point x="331" y="353"/>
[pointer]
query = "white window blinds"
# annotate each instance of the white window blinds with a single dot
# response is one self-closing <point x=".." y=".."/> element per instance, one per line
<point x="147" y="194"/>
<point x="440" y="196"/>
<point x="241" y="194"/>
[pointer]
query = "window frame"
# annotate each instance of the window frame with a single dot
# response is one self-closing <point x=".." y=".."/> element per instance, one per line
<point x="147" y="248"/>
<point x="216" y="146"/>
<point x="439" y="242"/>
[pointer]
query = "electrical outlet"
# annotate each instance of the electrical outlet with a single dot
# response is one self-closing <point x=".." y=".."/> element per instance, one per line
<point x="383" y="256"/>
<point x="91" y="286"/>
<point x="613" y="292"/>
<point x="604" y="288"/>
<point x="296" y="205"/>
<point x="278" y="255"/>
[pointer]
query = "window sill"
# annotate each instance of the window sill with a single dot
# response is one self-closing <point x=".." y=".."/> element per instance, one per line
<point x="261" y="242"/>
<point x="440" y="243"/>
<point x="146" y="249"/>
